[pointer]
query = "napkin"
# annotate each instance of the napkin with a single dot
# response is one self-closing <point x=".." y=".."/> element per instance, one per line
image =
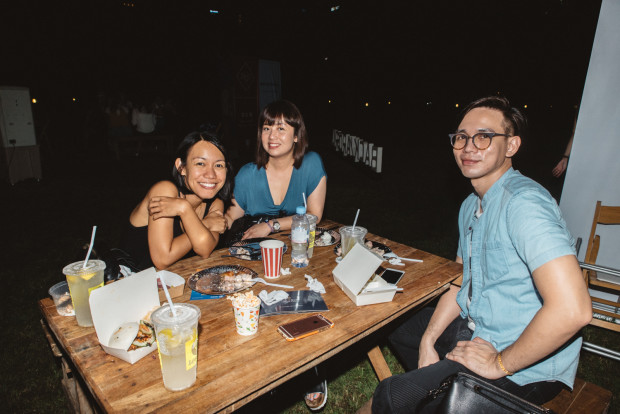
<point x="314" y="284"/>
<point x="272" y="297"/>
<point x="285" y="271"/>
<point x="393" y="259"/>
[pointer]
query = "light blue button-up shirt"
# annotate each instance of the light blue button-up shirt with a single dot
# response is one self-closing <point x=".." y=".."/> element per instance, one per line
<point x="520" y="229"/>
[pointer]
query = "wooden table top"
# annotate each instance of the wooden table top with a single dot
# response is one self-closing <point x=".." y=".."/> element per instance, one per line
<point x="233" y="369"/>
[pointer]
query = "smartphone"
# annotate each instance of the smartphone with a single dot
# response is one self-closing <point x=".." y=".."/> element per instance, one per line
<point x="392" y="276"/>
<point x="304" y="327"/>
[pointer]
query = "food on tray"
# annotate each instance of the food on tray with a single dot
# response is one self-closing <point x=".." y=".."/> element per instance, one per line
<point x="227" y="282"/>
<point x="244" y="300"/>
<point x="378" y="250"/>
<point x="132" y="335"/>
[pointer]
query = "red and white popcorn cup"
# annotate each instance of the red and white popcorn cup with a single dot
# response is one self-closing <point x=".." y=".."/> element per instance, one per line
<point x="272" y="251"/>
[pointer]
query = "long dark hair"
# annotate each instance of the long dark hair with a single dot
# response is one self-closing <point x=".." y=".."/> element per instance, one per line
<point x="291" y="115"/>
<point x="225" y="193"/>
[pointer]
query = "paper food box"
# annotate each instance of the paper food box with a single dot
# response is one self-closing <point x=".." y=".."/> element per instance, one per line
<point x="122" y="304"/>
<point x="175" y="284"/>
<point x="356" y="272"/>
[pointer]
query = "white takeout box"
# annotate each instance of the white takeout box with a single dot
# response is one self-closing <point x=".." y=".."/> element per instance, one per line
<point x="127" y="300"/>
<point x="355" y="270"/>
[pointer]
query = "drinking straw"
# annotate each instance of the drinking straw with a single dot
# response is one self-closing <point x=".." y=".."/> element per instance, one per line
<point x="355" y="221"/>
<point x="90" y="248"/>
<point x="163" y="285"/>
<point x="305" y="204"/>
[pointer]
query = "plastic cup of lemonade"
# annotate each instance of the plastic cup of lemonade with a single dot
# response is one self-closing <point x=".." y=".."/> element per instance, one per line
<point x="177" y="344"/>
<point x="349" y="236"/>
<point x="81" y="282"/>
<point x="312" y="219"/>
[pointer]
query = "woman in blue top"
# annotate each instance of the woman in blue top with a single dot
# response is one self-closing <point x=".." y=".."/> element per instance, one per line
<point x="273" y="185"/>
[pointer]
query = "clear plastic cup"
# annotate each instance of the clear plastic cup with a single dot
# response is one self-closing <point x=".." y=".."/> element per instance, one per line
<point x="312" y="219"/>
<point x="177" y="344"/>
<point x="62" y="298"/>
<point x="349" y="236"/>
<point x="81" y="282"/>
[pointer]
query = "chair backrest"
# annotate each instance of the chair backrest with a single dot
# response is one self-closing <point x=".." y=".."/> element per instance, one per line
<point x="602" y="215"/>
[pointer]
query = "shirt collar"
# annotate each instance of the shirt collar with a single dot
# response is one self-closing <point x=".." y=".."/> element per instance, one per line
<point x="496" y="188"/>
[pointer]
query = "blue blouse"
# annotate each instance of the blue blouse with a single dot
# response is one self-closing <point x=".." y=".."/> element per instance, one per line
<point x="252" y="189"/>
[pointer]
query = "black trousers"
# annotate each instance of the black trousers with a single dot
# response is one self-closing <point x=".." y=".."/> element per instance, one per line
<point x="402" y="393"/>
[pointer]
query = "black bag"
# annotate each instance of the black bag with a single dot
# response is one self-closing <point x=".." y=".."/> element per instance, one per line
<point x="466" y="394"/>
<point x="239" y="226"/>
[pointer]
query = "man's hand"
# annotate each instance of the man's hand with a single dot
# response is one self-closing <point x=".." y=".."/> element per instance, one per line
<point x="257" y="230"/>
<point x="161" y="206"/>
<point x="479" y="356"/>
<point x="215" y="221"/>
<point x="427" y="355"/>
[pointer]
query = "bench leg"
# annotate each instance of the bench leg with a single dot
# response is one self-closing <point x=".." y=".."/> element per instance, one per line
<point x="378" y="363"/>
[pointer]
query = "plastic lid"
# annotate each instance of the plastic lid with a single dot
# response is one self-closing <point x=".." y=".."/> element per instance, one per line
<point x="186" y="314"/>
<point x="75" y="269"/>
<point x="301" y="210"/>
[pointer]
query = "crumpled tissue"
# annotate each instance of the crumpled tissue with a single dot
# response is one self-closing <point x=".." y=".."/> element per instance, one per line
<point x="393" y="259"/>
<point x="285" y="271"/>
<point x="272" y="297"/>
<point x="314" y="284"/>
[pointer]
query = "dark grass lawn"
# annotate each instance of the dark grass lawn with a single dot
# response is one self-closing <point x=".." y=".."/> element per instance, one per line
<point x="44" y="225"/>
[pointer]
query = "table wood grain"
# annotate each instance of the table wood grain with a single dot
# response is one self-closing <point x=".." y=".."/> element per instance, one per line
<point x="233" y="369"/>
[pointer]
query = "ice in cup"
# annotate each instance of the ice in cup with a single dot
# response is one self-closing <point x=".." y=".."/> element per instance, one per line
<point x="271" y="252"/>
<point x="62" y="298"/>
<point x="349" y="236"/>
<point x="246" y="307"/>
<point x="81" y="282"/>
<point x="177" y="343"/>
<point x="312" y="219"/>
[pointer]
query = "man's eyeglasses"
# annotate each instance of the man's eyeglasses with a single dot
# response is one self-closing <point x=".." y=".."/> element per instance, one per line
<point x="481" y="140"/>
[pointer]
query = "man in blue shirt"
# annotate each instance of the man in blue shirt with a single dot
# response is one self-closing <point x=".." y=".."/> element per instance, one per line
<point x="514" y="321"/>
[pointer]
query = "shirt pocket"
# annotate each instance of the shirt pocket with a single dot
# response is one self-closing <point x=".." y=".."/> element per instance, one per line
<point x="494" y="263"/>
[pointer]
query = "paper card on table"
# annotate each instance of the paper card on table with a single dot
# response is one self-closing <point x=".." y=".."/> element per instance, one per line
<point x="127" y="300"/>
<point x="355" y="270"/>
<point x="198" y="296"/>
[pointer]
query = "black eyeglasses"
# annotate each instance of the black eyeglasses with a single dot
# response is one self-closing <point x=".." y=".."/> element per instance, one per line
<point x="481" y="140"/>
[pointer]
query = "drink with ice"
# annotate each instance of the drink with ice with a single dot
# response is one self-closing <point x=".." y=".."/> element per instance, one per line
<point x="82" y="281"/>
<point x="349" y="236"/>
<point x="312" y="219"/>
<point x="177" y="341"/>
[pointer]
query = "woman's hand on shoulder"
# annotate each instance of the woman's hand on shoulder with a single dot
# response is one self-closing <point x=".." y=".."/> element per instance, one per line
<point x="215" y="220"/>
<point x="164" y="201"/>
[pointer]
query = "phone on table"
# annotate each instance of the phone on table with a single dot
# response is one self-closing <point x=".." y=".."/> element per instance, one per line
<point x="304" y="327"/>
<point x="392" y="276"/>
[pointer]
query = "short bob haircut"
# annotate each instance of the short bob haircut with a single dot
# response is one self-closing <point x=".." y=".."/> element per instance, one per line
<point x="225" y="193"/>
<point x="290" y="113"/>
<point x="515" y="123"/>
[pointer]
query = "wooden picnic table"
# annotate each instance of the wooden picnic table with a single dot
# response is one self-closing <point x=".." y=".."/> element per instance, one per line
<point x="233" y="369"/>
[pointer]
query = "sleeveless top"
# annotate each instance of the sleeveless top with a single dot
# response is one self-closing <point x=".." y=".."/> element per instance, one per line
<point x="135" y="241"/>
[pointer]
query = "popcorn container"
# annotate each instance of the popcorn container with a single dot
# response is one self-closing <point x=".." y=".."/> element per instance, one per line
<point x="271" y="252"/>
<point x="246" y="319"/>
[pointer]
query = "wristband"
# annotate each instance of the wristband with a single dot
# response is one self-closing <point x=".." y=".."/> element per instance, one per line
<point x="501" y="365"/>
<point x="270" y="226"/>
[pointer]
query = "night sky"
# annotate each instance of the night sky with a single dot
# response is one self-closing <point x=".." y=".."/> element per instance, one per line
<point x="405" y="52"/>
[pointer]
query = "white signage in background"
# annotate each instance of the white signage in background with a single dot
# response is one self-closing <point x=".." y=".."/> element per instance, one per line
<point x="357" y="148"/>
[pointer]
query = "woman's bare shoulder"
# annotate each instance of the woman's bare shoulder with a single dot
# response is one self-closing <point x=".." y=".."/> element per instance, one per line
<point x="163" y="188"/>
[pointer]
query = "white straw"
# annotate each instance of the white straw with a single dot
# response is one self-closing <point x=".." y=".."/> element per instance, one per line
<point x="355" y="221"/>
<point x="411" y="260"/>
<point x="305" y="204"/>
<point x="163" y="285"/>
<point x="90" y="248"/>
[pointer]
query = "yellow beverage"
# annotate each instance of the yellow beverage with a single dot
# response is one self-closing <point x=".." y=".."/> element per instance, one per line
<point x="349" y="236"/>
<point x="81" y="282"/>
<point x="177" y="342"/>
